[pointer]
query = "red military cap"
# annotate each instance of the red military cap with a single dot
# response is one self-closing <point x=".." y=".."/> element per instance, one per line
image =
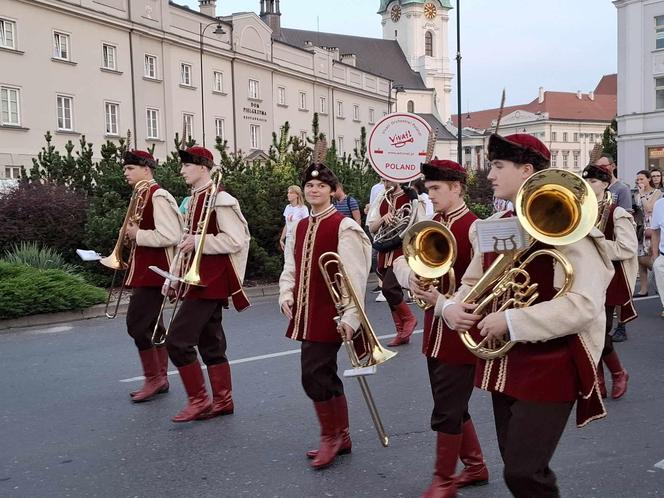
<point x="139" y="158"/>
<point x="197" y="155"/>
<point x="520" y="148"/>
<point x="597" y="171"/>
<point x="443" y="171"/>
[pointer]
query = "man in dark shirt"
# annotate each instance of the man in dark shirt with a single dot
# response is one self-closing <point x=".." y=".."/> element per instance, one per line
<point x="621" y="193"/>
<point x="347" y="205"/>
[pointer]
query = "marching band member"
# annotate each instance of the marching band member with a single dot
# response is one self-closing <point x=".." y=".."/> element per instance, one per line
<point x="306" y="302"/>
<point x="558" y="341"/>
<point x="404" y="319"/>
<point x="197" y="323"/>
<point x="451" y="366"/>
<point x="155" y="237"/>
<point x="621" y="244"/>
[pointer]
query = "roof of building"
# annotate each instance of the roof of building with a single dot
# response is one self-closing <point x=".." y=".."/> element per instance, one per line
<point x="385" y="3"/>
<point x="608" y="85"/>
<point x="442" y="133"/>
<point x="374" y="55"/>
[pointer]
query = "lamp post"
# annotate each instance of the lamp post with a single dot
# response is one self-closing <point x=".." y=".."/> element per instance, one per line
<point x="219" y="30"/>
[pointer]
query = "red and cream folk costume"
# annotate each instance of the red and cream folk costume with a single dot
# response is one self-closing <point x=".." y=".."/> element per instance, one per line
<point x="621" y="245"/>
<point x="197" y="323"/>
<point x="302" y="291"/>
<point x="155" y="237"/>
<point x="559" y="341"/>
<point x="451" y="366"/>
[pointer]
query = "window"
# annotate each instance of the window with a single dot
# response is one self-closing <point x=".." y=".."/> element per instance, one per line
<point x="13" y="172"/>
<point x="659" y="93"/>
<point x="188" y="125"/>
<point x="565" y="156"/>
<point x="112" y="111"/>
<point x="564" y="136"/>
<point x="554" y="158"/>
<point x="554" y="136"/>
<point x="9" y="102"/>
<point x="576" y="137"/>
<point x="303" y="136"/>
<point x="7" y="30"/>
<point x="281" y="95"/>
<point x="428" y="44"/>
<point x="185" y="74"/>
<point x="576" y="159"/>
<point x="303" y="100"/>
<point x="150" y="66"/>
<point x="254" y="90"/>
<point x="153" y="123"/>
<point x="65" y="106"/>
<point x="218" y="83"/>
<point x="411" y="106"/>
<point x="340" y="109"/>
<point x="659" y="32"/>
<point x="340" y="146"/>
<point x="220" y="128"/>
<point x="372" y="115"/>
<point x="60" y="46"/>
<point x="255" y="136"/>
<point x="322" y="102"/>
<point x="108" y="57"/>
<point x="356" y="112"/>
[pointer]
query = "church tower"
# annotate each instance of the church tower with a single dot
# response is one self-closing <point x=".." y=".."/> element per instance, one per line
<point x="271" y="15"/>
<point x="421" y="29"/>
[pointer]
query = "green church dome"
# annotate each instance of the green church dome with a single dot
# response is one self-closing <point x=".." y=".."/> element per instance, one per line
<point x="445" y="4"/>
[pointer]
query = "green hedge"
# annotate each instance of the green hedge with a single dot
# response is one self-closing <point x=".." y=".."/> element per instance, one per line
<point x="28" y="291"/>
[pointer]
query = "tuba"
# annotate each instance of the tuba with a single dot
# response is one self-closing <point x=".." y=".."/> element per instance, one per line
<point x="555" y="207"/>
<point x="115" y="260"/>
<point x="344" y="297"/>
<point x="430" y="250"/>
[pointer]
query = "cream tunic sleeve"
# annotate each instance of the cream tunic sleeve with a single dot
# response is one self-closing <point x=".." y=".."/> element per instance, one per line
<point x="355" y="252"/>
<point x="167" y="222"/>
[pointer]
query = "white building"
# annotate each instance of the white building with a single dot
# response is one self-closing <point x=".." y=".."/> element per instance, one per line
<point x="102" y="67"/>
<point x="640" y="86"/>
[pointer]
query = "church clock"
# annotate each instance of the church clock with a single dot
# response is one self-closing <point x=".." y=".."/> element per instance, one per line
<point x="395" y="13"/>
<point x="430" y="11"/>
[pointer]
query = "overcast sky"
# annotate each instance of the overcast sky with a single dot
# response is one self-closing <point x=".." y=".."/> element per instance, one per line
<point x="520" y="45"/>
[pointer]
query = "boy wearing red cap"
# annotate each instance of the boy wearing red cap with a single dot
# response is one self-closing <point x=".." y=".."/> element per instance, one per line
<point x="306" y="301"/>
<point x="197" y="323"/>
<point x="558" y="341"/>
<point x="155" y="236"/>
<point x="451" y="366"/>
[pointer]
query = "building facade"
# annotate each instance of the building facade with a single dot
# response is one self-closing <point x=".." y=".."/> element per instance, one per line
<point x="640" y="86"/>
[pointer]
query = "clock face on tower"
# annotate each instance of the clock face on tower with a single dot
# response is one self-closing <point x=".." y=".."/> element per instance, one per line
<point x="430" y="11"/>
<point x="395" y="13"/>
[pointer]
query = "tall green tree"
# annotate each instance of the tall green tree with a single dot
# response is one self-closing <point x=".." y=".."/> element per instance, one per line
<point x="609" y="139"/>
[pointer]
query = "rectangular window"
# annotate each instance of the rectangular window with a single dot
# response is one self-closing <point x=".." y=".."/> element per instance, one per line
<point x="220" y="128"/>
<point x="564" y="136"/>
<point x="554" y="136"/>
<point x="340" y="109"/>
<point x="340" y="146"/>
<point x="254" y="89"/>
<point x="659" y="93"/>
<point x="255" y="136"/>
<point x="576" y="159"/>
<point x="356" y="112"/>
<point x="303" y="100"/>
<point x="565" y="156"/>
<point x="281" y="95"/>
<point x="13" y="172"/>
<point x="108" y="57"/>
<point x="151" y="66"/>
<point x="659" y="32"/>
<point x="218" y="83"/>
<point x="188" y="125"/>
<point x="65" y="107"/>
<point x="303" y="136"/>
<point x="322" y="101"/>
<point x="9" y="106"/>
<point x="185" y="74"/>
<point x="554" y="158"/>
<point x="153" y="123"/>
<point x="7" y="37"/>
<point x="61" y="46"/>
<point x="372" y="116"/>
<point x="112" y="111"/>
<point x="576" y="137"/>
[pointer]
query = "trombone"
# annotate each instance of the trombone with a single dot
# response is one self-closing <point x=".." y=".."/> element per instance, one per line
<point x="344" y="297"/>
<point x="115" y="260"/>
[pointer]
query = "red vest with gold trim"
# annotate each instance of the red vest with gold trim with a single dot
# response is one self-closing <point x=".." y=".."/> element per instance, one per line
<point x="313" y="308"/>
<point x="619" y="291"/>
<point x="138" y="273"/>
<point x="385" y="259"/>
<point x="439" y="341"/>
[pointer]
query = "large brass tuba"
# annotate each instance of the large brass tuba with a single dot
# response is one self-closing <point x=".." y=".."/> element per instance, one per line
<point x="115" y="261"/>
<point x="430" y="250"/>
<point x="555" y="207"/>
<point x="344" y="297"/>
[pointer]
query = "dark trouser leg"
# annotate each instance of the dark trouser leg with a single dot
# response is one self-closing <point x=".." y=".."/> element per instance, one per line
<point x="193" y="320"/>
<point x="319" y="370"/>
<point x="608" y="341"/>
<point x="451" y="387"/>
<point x="142" y="312"/>
<point x="528" y="434"/>
<point x="212" y="342"/>
<point x="391" y="288"/>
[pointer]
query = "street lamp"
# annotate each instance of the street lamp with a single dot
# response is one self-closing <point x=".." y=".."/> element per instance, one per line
<point x="219" y="30"/>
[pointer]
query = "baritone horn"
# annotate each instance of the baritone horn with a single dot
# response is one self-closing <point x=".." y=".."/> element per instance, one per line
<point x="115" y="261"/>
<point x="555" y="207"/>
<point x="430" y="250"/>
<point x="344" y="297"/>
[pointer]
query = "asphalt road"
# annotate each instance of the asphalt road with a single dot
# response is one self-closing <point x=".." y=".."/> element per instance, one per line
<point x="67" y="427"/>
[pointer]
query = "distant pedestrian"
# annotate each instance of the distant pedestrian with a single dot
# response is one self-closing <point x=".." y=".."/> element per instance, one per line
<point x="645" y="200"/>
<point x="656" y="179"/>
<point x="347" y="205"/>
<point x="620" y="191"/>
<point x="294" y="212"/>
<point x="657" y="248"/>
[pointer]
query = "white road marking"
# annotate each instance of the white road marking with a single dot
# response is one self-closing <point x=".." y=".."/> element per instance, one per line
<point x="258" y="358"/>
<point x="645" y="298"/>
<point x="660" y="465"/>
<point x="53" y="330"/>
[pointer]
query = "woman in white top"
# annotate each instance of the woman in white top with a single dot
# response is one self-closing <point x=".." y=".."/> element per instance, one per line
<point x="645" y="199"/>
<point x="294" y="212"/>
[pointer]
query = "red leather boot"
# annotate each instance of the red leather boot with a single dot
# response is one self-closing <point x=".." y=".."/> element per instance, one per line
<point x="154" y="382"/>
<point x="618" y="375"/>
<point x="447" y="452"/>
<point x="408" y="324"/>
<point x="600" y="380"/>
<point x="194" y="385"/>
<point x="342" y="417"/>
<point x="330" y="435"/>
<point x="474" y="472"/>
<point x="222" y="390"/>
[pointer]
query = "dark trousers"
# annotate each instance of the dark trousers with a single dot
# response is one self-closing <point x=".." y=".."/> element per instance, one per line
<point x="144" y="306"/>
<point x="391" y="288"/>
<point x="197" y="324"/>
<point x="528" y="434"/>
<point x="319" y="370"/>
<point x="608" y="340"/>
<point x="451" y="387"/>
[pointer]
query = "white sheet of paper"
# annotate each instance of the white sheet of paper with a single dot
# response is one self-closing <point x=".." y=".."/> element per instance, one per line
<point x="501" y="235"/>
<point x="164" y="273"/>
<point x="87" y="255"/>
<point x="360" y="372"/>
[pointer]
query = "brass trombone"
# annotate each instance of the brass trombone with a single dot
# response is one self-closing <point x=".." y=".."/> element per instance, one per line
<point x="344" y="297"/>
<point x="115" y="260"/>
